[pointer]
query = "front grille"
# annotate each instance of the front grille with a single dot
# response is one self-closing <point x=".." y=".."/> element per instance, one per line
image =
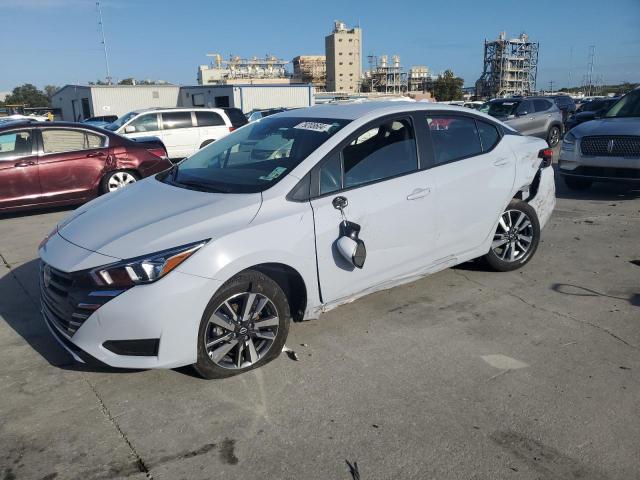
<point x="68" y="299"/>
<point x="607" y="172"/>
<point x="611" y="146"/>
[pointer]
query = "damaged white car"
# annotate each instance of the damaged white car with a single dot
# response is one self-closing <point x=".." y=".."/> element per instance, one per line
<point x="287" y="217"/>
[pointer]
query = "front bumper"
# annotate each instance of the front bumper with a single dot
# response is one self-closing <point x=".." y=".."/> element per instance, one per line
<point x="572" y="163"/>
<point x="167" y="312"/>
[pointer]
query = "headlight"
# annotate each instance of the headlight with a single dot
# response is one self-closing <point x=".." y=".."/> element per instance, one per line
<point x="145" y="269"/>
<point x="569" y="142"/>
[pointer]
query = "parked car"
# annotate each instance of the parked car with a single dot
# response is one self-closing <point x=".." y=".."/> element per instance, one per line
<point x="182" y="130"/>
<point x="605" y="149"/>
<point x="254" y="115"/>
<point x="101" y="121"/>
<point x="535" y="116"/>
<point x="566" y="104"/>
<point x="284" y="219"/>
<point x="590" y="111"/>
<point x="60" y="163"/>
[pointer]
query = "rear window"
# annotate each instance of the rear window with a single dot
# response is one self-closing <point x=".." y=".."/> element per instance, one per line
<point x="236" y="116"/>
<point x="502" y="109"/>
<point x="209" y="119"/>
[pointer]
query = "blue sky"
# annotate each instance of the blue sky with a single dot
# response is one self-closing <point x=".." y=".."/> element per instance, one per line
<point x="57" y="42"/>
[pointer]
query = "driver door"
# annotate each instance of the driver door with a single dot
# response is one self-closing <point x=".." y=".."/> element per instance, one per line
<point x="393" y="201"/>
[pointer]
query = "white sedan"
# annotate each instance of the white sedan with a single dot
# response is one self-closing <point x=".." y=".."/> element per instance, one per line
<point x="285" y="218"/>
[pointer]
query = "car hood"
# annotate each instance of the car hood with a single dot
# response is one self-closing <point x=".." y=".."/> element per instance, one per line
<point x="608" y="126"/>
<point x="150" y="216"/>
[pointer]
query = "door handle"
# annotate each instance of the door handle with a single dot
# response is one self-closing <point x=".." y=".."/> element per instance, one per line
<point x="95" y="154"/>
<point x="501" y="162"/>
<point x="532" y="118"/>
<point x="25" y="163"/>
<point x="418" y="193"/>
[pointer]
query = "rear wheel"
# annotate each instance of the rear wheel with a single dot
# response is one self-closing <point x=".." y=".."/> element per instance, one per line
<point x="113" y="181"/>
<point x="244" y="326"/>
<point x="516" y="238"/>
<point x="206" y="142"/>
<point x="553" y="137"/>
<point x="577" y="183"/>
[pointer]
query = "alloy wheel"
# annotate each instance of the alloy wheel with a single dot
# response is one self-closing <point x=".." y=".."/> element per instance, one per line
<point x="554" y="137"/>
<point x="119" y="180"/>
<point x="241" y="330"/>
<point x="514" y="236"/>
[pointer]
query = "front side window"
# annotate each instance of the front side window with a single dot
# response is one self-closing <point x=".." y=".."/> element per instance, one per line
<point x="15" y="144"/>
<point x="145" y="123"/>
<point x="384" y="151"/>
<point x="255" y="157"/>
<point x="453" y="138"/>
<point x="172" y="120"/>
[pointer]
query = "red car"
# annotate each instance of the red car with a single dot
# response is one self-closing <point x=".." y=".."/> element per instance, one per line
<point x="61" y="163"/>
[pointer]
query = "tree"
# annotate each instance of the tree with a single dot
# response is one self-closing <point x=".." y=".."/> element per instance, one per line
<point x="127" y="81"/>
<point x="448" y="87"/>
<point x="49" y="90"/>
<point x="28" y="95"/>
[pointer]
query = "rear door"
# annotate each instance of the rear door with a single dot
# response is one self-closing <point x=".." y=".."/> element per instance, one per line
<point x="71" y="163"/>
<point x="544" y="112"/>
<point x="392" y="200"/>
<point x="525" y="118"/>
<point x="211" y="126"/>
<point x="179" y="134"/>
<point x="475" y="172"/>
<point x="19" y="183"/>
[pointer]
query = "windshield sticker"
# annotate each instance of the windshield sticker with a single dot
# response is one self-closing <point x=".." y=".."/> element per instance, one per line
<point x="314" y="126"/>
<point x="275" y="173"/>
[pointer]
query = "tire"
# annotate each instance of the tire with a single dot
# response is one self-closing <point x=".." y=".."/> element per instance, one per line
<point x="222" y="326"/>
<point x="553" y="137"/>
<point x="522" y="226"/>
<point x="205" y="143"/>
<point x="576" y="183"/>
<point x="117" y="179"/>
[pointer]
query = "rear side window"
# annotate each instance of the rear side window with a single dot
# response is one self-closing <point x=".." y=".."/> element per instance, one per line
<point x="525" y="107"/>
<point x="15" y="144"/>
<point x="59" y="141"/>
<point x="172" y="120"/>
<point x="384" y="151"/>
<point x="209" y="119"/>
<point x="454" y="138"/>
<point x="489" y="135"/>
<point x="541" y="105"/>
<point x="236" y="116"/>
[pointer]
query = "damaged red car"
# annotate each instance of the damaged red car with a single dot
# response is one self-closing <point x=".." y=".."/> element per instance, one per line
<point x="63" y="163"/>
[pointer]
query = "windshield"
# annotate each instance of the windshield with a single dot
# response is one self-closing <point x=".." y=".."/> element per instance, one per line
<point x="120" y="122"/>
<point x="627" y="106"/>
<point x="254" y="157"/>
<point x="501" y="109"/>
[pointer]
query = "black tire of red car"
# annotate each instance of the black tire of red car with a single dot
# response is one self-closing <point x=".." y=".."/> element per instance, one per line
<point x="249" y="281"/>
<point x="495" y="262"/>
<point x="104" y="183"/>
<point x="577" y="183"/>
<point x="553" y="137"/>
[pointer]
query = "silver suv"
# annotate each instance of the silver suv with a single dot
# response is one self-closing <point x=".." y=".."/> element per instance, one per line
<point x="536" y="116"/>
<point x="604" y="150"/>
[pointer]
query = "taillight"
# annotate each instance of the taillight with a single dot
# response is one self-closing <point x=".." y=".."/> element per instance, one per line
<point x="231" y="129"/>
<point x="546" y="154"/>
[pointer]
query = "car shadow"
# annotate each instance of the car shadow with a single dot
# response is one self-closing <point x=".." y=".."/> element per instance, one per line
<point x="20" y="309"/>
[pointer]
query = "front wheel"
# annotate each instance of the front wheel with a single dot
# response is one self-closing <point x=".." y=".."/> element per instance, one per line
<point x="553" y="137"/>
<point x="244" y="326"/>
<point x="516" y="238"/>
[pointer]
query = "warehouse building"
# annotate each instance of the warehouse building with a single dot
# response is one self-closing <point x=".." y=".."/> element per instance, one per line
<point x="79" y="102"/>
<point x="247" y="97"/>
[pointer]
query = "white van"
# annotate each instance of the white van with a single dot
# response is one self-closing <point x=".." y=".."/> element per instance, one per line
<point x="182" y="130"/>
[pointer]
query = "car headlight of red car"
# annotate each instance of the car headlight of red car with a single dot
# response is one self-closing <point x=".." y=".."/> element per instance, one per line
<point x="145" y="269"/>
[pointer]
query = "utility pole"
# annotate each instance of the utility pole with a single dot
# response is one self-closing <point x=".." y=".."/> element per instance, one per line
<point x="570" y="65"/>
<point x="104" y="42"/>
<point x="592" y="55"/>
<point x="551" y="86"/>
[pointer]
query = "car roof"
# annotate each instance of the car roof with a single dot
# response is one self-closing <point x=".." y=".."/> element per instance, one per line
<point x="351" y="111"/>
<point x="31" y="123"/>
<point x="175" y="109"/>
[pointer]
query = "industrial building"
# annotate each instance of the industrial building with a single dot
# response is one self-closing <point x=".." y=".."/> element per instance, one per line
<point x="420" y="79"/>
<point x="310" y="69"/>
<point x="343" y="51"/>
<point x="510" y="67"/>
<point x="79" y="102"/>
<point x="247" y="97"/>
<point x="269" y="70"/>
<point x="385" y="77"/>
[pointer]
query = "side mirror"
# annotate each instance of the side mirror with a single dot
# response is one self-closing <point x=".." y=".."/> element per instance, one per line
<point x="352" y="250"/>
<point x="129" y="129"/>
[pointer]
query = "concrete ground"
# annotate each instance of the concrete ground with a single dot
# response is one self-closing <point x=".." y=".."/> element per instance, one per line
<point x="467" y="374"/>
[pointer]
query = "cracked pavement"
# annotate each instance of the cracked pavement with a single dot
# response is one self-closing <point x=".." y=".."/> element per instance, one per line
<point x="465" y="374"/>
